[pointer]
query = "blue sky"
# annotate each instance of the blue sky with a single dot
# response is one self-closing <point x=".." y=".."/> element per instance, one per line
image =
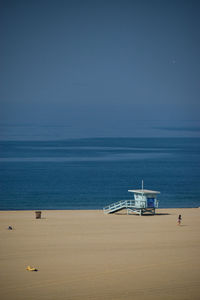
<point x="101" y="68"/>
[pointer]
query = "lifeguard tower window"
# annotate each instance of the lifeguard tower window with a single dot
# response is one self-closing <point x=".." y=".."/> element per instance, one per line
<point x="151" y="202"/>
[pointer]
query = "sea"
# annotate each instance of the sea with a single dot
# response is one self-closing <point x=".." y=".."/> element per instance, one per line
<point x="90" y="173"/>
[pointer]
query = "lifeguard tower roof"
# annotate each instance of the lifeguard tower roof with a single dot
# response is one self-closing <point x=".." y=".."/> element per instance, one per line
<point x="144" y="191"/>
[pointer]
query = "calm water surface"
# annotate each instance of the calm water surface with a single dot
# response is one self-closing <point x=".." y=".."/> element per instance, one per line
<point x="91" y="173"/>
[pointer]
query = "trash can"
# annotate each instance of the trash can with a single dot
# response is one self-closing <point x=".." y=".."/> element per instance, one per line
<point x="38" y="214"/>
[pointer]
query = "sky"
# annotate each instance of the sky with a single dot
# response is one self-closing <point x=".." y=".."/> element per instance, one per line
<point x="100" y="68"/>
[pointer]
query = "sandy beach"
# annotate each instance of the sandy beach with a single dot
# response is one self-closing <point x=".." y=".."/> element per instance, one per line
<point x="89" y="255"/>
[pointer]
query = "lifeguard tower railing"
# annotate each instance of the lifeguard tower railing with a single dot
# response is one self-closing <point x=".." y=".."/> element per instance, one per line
<point x="130" y="206"/>
<point x="114" y="207"/>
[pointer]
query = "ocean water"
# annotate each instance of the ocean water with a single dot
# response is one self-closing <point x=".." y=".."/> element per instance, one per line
<point x="94" y="172"/>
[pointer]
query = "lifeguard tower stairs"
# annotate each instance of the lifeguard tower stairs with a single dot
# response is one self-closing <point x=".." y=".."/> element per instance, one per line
<point x="145" y="201"/>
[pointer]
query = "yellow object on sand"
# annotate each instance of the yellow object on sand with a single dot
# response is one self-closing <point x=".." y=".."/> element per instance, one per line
<point x="29" y="268"/>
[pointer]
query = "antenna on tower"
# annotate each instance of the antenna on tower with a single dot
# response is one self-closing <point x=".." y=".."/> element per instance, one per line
<point x="142" y="184"/>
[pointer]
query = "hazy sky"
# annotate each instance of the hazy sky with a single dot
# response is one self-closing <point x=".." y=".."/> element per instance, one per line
<point x="100" y="64"/>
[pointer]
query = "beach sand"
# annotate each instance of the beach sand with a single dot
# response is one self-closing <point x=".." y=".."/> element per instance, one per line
<point x="89" y="255"/>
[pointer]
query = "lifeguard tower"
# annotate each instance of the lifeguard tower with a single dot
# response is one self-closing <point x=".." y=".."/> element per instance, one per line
<point x="144" y="201"/>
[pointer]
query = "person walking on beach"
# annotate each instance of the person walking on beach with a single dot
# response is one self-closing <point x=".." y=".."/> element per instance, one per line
<point x="179" y="220"/>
